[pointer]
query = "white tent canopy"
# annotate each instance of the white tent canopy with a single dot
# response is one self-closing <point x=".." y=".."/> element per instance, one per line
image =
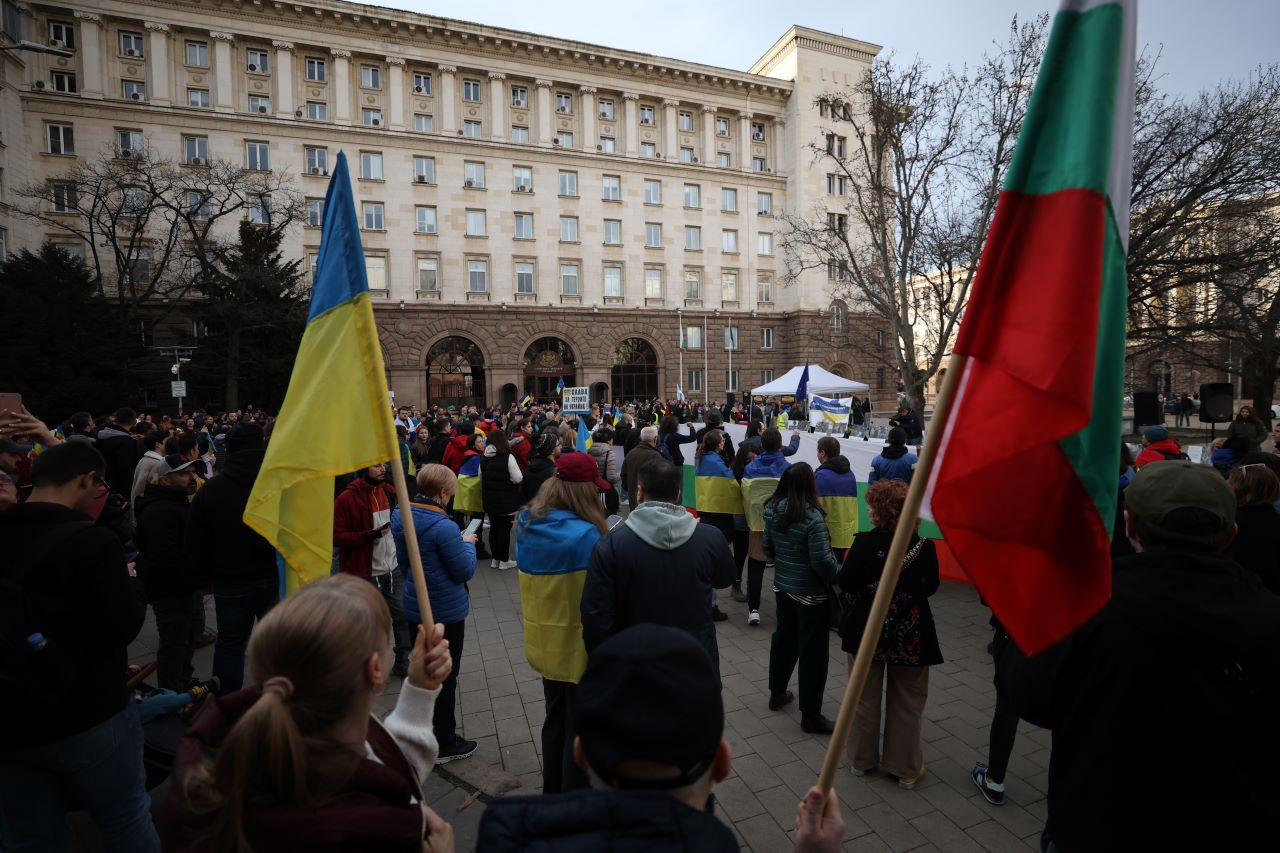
<point x="821" y="382"/>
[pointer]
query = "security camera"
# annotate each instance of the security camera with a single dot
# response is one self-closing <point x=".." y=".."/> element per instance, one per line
<point x="173" y="368"/>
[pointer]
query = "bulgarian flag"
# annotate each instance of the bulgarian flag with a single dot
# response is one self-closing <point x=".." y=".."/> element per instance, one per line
<point x="681" y="344"/>
<point x="1026" y="480"/>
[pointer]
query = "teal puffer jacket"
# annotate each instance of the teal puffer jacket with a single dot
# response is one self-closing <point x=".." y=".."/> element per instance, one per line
<point x="802" y="560"/>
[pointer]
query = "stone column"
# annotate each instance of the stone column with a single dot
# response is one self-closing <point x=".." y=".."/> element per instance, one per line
<point x="587" y="104"/>
<point x="284" y="78"/>
<point x="160" y="64"/>
<point x="341" y="85"/>
<point x="670" y="147"/>
<point x="91" y="73"/>
<point x="222" y="90"/>
<point x="448" y="100"/>
<point x="775" y="144"/>
<point x="744" y="140"/>
<point x="709" y="135"/>
<point x="544" y="111"/>
<point x="497" y="104"/>
<point x="631" y="114"/>
<point x="395" y="91"/>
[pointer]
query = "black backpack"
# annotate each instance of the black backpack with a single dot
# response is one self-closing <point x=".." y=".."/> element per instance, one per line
<point x="1178" y="455"/>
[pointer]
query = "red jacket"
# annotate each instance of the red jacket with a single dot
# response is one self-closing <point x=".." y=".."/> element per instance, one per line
<point x="353" y="534"/>
<point x="454" y="452"/>
<point x="1155" y="452"/>
<point x="520" y="448"/>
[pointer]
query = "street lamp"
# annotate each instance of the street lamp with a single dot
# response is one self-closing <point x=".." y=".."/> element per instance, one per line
<point x="36" y="47"/>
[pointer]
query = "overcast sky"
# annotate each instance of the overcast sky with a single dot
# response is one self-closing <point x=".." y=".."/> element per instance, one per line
<point x="1202" y="41"/>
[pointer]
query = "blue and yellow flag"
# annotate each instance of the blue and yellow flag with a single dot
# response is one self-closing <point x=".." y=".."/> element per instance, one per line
<point x="526" y="400"/>
<point x="560" y="385"/>
<point x="584" y="435"/>
<point x="338" y="369"/>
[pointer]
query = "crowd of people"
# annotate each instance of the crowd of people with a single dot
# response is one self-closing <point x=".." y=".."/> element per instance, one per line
<point x="620" y="591"/>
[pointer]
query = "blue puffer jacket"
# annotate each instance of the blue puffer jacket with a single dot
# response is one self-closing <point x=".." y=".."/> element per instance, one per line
<point x="770" y="464"/>
<point x="894" y="463"/>
<point x="447" y="561"/>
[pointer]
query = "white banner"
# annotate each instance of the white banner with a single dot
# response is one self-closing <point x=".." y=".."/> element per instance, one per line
<point x="576" y="401"/>
<point x="829" y="410"/>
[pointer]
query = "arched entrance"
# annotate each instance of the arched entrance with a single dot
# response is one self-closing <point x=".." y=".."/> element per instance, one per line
<point x="634" y="371"/>
<point x="455" y="373"/>
<point x="600" y="392"/>
<point x="546" y="362"/>
<point x="507" y="396"/>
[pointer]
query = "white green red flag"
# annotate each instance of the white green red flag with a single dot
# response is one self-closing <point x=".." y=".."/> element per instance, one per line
<point x="1026" y="482"/>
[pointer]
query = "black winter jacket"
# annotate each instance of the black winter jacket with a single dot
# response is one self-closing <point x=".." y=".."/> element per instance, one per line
<point x="163" y="564"/>
<point x="909" y="637"/>
<point x="540" y="470"/>
<point x="1257" y="543"/>
<point x="222" y="546"/>
<point x="122" y="453"/>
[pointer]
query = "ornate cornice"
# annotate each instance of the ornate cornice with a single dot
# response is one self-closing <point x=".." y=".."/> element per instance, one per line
<point x="497" y="75"/>
<point x="587" y="90"/>
<point x="543" y="84"/>
<point x="708" y="109"/>
<point x="397" y="61"/>
<point x="448" y="69"/>
<point x="221" y="36"/>
<point x="339" y="53"/>
<point x="671" y="103"/>
<point x="630" y="96"/>
<point x="89" y="17"/>
<point x="156" y="28"/>
<point x="282" y="45"/>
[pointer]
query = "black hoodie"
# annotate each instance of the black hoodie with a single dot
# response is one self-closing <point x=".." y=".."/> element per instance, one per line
<point x="164" y="562"/>
<point x="222" y="546"/>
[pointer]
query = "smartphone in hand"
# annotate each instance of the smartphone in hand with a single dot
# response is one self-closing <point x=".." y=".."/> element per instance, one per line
<point x="473" y="528"/>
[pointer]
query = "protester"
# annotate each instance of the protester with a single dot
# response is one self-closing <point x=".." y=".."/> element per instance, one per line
<point x="1182" y="660"/>
<point x="121" y="450"/>
<point x="795" y="538"/>
<point x="1227" y="452"/>
<point x="239" y="562"/>
<point x="910" y="424"/>
<point x="500" y="479"/>
<point x="898" y="679"/>
<point x="154" y="443"/>
<point x="895" y="462"/>
<point x="1248" y="427"/>
<point x="448" y="562"/>
<point x="646" y="450"/>
<point x="1156" y="446"/>
<point x="742" y="535"/>
<point x="762" y="473"/>
<point x="989" y="777"/>
<point x="713" y="419"/>
<point x="1256" y="545"/>
<point x="1119" y="542"/>
<point x="297" y="761"/>
<point x="838" y="492"/>
<point x="457" y="447"/>
<point x="542" y="465"/>
<point x="69" y="736"/>
<point x="557" y="534"/>
<point x="420" y="449"/>
<point x="715" y="485"/>
<point x="658" y="566"/>
<point x="362" y="535"/>
<point x="670" y="438"/>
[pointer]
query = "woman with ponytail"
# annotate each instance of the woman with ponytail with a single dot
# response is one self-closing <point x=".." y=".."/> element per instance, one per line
<point x="297" y="761"/>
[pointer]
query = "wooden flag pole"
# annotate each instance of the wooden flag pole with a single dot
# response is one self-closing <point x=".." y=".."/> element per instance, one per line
<point x="907" y="522"/>
<point x="411" y="545"/>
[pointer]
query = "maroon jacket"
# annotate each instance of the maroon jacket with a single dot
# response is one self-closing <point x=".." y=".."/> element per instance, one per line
<point x="374" y="810"/>
<point x="353" y="524"/>
<point x="455" y="451"/>
<point x="520" y="448"/>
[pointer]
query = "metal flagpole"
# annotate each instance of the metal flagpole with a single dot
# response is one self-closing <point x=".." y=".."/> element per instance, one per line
<point x="732" y="343"/>
<point x="680" y="348"/>
<point x="706" y="365"/>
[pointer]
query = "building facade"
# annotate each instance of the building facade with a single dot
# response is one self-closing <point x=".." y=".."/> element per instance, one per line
<point x="532" y="208"/>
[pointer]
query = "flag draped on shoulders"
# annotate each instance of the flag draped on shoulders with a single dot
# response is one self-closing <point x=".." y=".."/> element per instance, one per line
<point x="1025" y="487"/>
<point x="338" y="369"/>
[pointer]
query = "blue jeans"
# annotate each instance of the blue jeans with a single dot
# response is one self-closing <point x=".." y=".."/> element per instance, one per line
<point x="239" y="605"/>
<point x="99" y="769"/>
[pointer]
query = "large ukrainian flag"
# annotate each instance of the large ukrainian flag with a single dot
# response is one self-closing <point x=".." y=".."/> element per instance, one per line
<point x="336" y="415"/>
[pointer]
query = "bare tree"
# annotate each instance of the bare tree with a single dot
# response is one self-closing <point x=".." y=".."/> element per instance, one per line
<point x="916" y="162"/>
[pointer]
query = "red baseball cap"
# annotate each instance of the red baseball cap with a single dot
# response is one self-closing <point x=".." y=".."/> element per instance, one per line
<point x="578" y="467"/>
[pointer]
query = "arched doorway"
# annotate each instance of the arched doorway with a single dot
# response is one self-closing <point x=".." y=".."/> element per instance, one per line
<point x="455" y="373"/>
<point x="507" y="396"/>
<point x="546" y="362"/>
<point x="634" y="371"/>
<point x="600" y="392"/>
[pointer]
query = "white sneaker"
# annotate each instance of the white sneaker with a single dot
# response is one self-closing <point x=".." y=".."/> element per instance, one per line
<point x="506" y="565"/>
<point x="754" y="618"/>
<point x="493" y="564"/>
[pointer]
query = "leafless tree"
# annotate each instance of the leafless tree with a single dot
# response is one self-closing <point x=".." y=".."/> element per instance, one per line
<point x="916" y="161"/>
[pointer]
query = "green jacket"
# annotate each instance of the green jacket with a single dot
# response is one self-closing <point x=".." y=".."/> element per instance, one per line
<point x="803" y="563"/>
<point x="1254" y="433"/>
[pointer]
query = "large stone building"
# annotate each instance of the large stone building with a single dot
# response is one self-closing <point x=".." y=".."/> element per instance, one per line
<point x="533" y="208"/>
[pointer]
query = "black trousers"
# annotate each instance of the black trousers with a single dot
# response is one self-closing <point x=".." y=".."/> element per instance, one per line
<point x="178" y="632"/>
<point x="559" y="771"/>
<point x="444" y="722"/>
<point x="801" y="636"/>
<point x="741" y="543"/>
<point x="1004" y="723"/>
<point x="755" y="580"/>
<point x="500" y="536"/>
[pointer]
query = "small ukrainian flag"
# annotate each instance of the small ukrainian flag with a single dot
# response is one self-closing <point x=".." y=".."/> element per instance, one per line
<point x="526" y="400"/>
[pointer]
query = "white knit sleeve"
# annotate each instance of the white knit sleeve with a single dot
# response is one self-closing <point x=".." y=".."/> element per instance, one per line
<point x="410" y="725"/>
<point x="513" y="468"/>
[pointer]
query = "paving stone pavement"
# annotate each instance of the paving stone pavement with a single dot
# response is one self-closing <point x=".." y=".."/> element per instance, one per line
<point x="774" y="762"/>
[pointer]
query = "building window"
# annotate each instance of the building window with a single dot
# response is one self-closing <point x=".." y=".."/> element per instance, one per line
<point x="371" y="118"/>
<point x="723" y="159"/>
<point x="522" y="179"/>
<point x="764" y="203"/>
<point x="764" y="244"/>
<point x="424" y="170"/>
<point x="879" y="377"/>
<point x="315" y="72"/>
<point x="695" y="381"/>
<point x="473" y="129"/>
<point x="373" y="219"/>
<point x="425" y="219"/>
<point x="692" y="284"/>
<point x="757" y="131"/>
<point x="612" y="281"/>
<point x="423" y="123"/>
<point x="693" y="238"/>
<point x="757" y="164"/>
<point x="370" y="76"/>
<point x="473" y="175"/>
<point x="523" y="226"/>
<point x="564" y="139"/>
<point x="766" y="337"/>
<point x="764" y="289"/>
<point x="524" y="277"/>
<point x="61" y="34"/>
<point x="613" y="232"/>
<point x="131" y="44"/>
<point x="648" y="149"/>
<point x="685" y="121"/>
<point x="569" y="279"/>
<point x="837" y="222"/>
<point x="722" y="126"/>
<point x="198" y="98"/>
<point x="606" y="145"/>
<point x="646" y="115"/>
<point x="564" y="102"/>
<point x="257" y="156"/>
<point x="568" y="229"/>
<point x="520" y="97"/>
<point x="693" y="337"/>
<point x="257" y="61"/>
<point x="375" y="270"/>
<point x="259" y="104"/>
<point x="692" y="195"/>
<point x="62" y="139"/>
<point x="313" y="262"/>
<point x="133" y="90"/>
<point x="519" y="134"/>
<point x="880" y="338"/>
<point x="134" y="201"/>
<point x="317" y="111"/>
<point x="421" y="83"/>
<point x="371" y="165"/>
<point x="64" y="197"/>
<point x="653" y="235"/>
<point x="653" y="192"/>
<point x="728" y="200"/>
<point x="477" y="276"/>
<point x="652" y="283"/>
<point x="836" y="146"/>
<point x="477" y="226"/>
<point x="316" y="160"/>
<point x="471" y="90"/>
<point x="195" y="150"/>
<point x="260" y="209"/>
<point x="837" y="318"/>
<point x="837" y="271"/>
<point x="315" y="212"/>
<point x="428" y="274"/>
<point x="611" y="188"/>
<point x="766" y="376"/>
<point x="729" y="286"/>
<point x="731" y="380"/>
<point x="686" y="155"/>
<point x="729" y="241"/>
<point x="606" y="109"/>
<point x="836" y="184"/>
<point x="198" y="54"/>
<point x="569" y="183"/>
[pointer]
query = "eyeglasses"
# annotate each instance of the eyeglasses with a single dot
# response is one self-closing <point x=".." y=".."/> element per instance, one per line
<point x="1253" y="465"/>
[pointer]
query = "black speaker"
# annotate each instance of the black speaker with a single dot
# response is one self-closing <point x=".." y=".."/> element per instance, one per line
<point x="1146" y="409"/>
<point x="1217" y="401"/>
